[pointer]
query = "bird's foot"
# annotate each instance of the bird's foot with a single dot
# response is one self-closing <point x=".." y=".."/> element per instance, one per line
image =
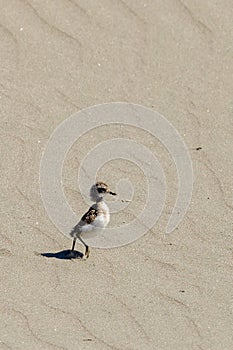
<point x="87" y="253"/>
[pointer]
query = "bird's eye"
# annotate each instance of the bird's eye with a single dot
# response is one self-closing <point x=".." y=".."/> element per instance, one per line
<point x="101" y="190"/>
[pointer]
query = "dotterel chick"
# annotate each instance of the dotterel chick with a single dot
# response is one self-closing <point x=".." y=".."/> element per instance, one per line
<point x="96" y="218"/>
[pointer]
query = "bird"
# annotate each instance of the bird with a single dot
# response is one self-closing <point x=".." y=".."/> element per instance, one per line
<point x="96" y="218"/>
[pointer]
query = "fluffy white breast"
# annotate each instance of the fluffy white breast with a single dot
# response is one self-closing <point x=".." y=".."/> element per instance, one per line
<point x="101" y="220"/>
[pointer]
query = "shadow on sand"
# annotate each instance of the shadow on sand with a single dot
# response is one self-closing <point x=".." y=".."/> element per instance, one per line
<point x="64" y="255"/>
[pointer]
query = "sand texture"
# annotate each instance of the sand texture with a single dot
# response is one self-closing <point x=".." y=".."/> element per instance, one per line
<point x="163" y="292"/>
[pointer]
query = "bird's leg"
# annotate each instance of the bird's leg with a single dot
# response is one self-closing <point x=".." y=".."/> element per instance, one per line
<point x="73" y="245"/>
<point x="87" y="252"/>
<point x="87" y="249"/>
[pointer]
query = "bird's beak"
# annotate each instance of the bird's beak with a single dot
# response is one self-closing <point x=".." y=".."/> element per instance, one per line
<point x="112" y="193"/>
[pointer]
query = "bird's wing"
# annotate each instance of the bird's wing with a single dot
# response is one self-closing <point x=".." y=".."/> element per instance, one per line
<point x="86" y="219"/>
<point x="89" y="216"/>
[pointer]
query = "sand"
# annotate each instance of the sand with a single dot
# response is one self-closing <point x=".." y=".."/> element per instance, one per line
<point x="164" y="292"/>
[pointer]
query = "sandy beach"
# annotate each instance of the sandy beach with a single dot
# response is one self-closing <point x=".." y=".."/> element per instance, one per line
<point x="163" y="292"/>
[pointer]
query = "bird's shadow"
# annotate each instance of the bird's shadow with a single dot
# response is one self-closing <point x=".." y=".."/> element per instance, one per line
<point x="64" y="255"/>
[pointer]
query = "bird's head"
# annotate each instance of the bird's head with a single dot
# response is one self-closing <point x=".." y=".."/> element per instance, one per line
<point x="99" y="190"/>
